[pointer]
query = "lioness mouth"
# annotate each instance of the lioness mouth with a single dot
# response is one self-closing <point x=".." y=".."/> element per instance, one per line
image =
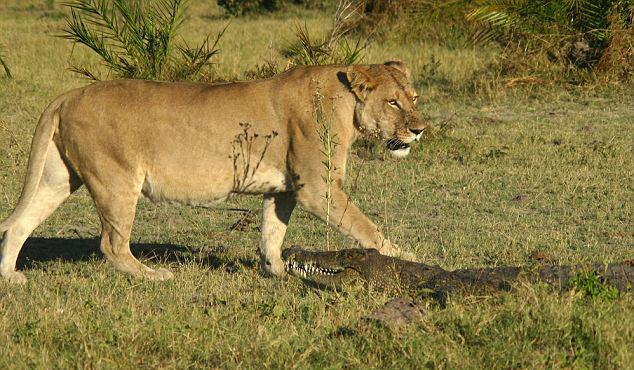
<point x="396" y="144"/>
<point x="397" y="148"/>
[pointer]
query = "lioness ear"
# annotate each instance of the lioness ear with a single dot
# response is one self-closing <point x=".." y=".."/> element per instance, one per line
<point x="360" y="81"/>
<point x="397" y="64"/>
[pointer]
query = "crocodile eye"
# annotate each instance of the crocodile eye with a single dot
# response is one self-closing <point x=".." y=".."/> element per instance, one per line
<point x="393" y="103"/>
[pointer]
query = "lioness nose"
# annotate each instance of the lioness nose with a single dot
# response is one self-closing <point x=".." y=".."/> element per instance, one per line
<point x="415" y="131"/>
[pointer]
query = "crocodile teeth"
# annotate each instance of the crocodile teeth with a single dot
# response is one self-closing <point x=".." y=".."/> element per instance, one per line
<point x="308" y="268"/>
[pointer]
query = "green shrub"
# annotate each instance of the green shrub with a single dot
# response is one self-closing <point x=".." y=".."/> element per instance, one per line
<point x="135" y="40"/>
<point x="548" y="23"/>
<point x="593" y="285"/>
<point x="266" y="70"/>
<point x="571" y="41"/>
<point x="309" y="51"/>
<point x="334" y="48"/>
<point x="243" y="7"/>
<point x="566" y="40"/>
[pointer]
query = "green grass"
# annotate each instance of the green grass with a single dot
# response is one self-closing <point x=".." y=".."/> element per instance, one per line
<point x="547" y="168"/>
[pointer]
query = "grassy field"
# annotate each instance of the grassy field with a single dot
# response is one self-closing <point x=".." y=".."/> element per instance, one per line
<point x="505" y="174"/>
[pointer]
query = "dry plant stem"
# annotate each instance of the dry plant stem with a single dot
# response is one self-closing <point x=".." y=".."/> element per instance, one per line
<point x="353" y="190"/>
<point x="245" y="161"/>
<point x="346" y="9"/>
<point x="386" y="220"/>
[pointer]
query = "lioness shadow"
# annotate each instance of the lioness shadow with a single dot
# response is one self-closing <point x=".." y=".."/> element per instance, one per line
<point x="39" y="250"/>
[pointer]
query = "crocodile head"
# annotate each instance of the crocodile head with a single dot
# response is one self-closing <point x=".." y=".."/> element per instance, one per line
<point x="330" y="269"/>
<point x="333" y="268"/>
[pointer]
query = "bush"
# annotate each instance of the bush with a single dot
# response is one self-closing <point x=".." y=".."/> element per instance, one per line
<point x="617" y="59"/>
<point x="538" y="24"/>
<point x="135" y="40"/>
<point x="584" y="37"/>
<point x="571" y="39"/>
<point x="308" y="51"/>
<point x="244" y="7"/>
<point x="266" y="70"/>
<point x="334" y="48"/>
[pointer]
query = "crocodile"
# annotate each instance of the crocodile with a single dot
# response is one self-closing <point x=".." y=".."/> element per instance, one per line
<point x="335" y="269"/>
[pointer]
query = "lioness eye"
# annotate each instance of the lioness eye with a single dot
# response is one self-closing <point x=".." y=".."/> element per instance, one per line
<point x="393" y="103"/>
<point x="415" y="99"/>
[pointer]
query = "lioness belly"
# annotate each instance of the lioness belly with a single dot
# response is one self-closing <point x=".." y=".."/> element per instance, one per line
<point x="262" y="180"/>
<point x="193" y="191"/>
<point x="184" y="191"/>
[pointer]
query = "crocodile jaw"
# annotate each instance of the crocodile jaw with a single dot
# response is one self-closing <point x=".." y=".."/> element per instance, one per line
<point x="309" y="269"/>
<point x="330" y="268"/>
<point x="327" y="272"/>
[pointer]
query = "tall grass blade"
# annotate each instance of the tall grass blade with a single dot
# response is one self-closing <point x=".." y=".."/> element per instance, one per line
<point x="5" y="66"/>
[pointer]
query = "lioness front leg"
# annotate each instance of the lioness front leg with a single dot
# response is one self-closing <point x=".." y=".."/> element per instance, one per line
<point x="276" y="213"/>
<point x="346" y="217"/>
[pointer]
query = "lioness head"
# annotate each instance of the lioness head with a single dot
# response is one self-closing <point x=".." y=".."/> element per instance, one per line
<point x="386" y="104"/>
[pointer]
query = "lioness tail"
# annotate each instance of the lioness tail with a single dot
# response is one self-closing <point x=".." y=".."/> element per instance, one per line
<point x="39" y="147"/>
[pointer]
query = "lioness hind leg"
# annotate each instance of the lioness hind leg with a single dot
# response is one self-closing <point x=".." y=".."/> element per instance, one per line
<point x="56" y="184"/>
<point x="117" y="209"/>
<point x="115" y="244"/>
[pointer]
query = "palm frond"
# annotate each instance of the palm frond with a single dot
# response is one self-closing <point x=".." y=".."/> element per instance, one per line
<point x="136" y="39"/>
<point x="198" y="57"/>
<point x="84" y="72"/>
<point x="107" y="48"/>
<point x="95" y="14"/>
<point x="334" y="48"/>
<point x="306" y="50"/>
<point x="351" y="53"/>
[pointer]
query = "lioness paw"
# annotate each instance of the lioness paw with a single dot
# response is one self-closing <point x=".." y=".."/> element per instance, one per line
<point x="14" y="277"/>
<point x="393" y="250"/>
<point x="159" y="274"/>
<point x="405" y="255"/>
<point x="274" y="268"/>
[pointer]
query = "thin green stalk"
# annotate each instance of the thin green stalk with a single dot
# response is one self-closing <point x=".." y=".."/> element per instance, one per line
<point x="329" y="147"/>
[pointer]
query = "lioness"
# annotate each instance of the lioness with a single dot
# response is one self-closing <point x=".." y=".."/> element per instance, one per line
<point x="200" y="143"/>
